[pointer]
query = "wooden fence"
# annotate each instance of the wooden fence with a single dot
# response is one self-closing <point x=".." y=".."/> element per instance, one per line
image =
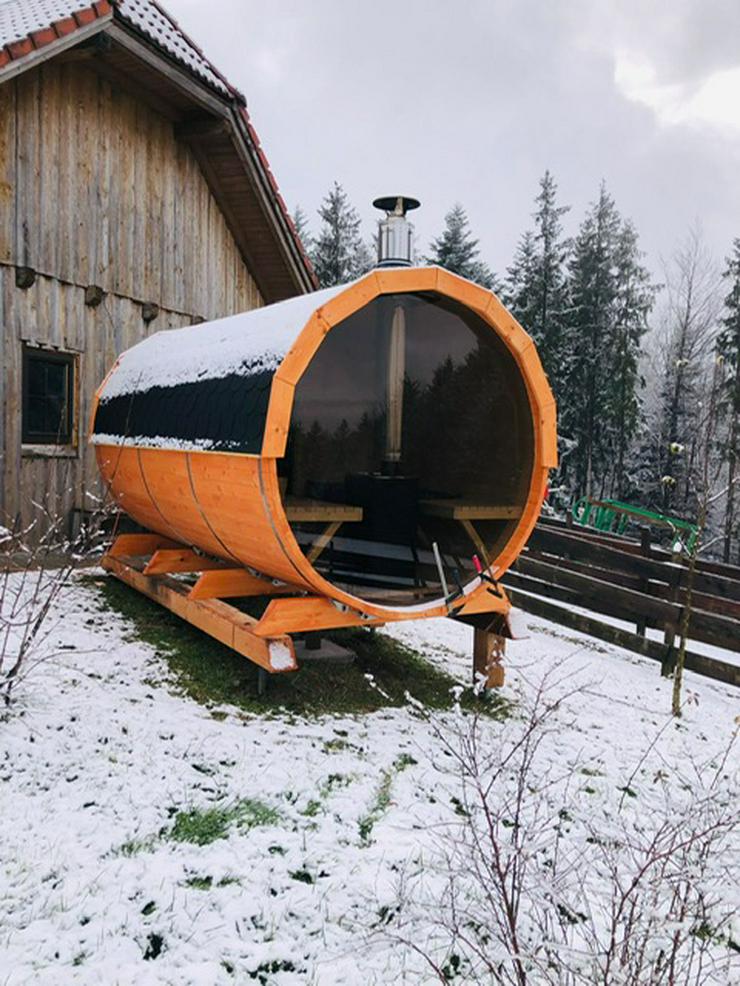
<point x="631" y="581"/>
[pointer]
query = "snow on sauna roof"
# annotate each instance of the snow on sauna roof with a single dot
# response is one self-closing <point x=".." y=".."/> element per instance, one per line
<point x="243" y="344"/>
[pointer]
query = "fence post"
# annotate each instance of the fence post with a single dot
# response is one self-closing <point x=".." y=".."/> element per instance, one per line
<point x="669" y="637"/>
<point x="643" y="583"/>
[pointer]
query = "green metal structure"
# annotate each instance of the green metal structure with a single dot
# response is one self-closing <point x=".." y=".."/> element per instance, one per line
<point x="612" y="516"/>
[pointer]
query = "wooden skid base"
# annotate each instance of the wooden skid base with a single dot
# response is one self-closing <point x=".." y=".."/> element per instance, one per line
<point x="218" y="619"/>
<point x="146" y="562"/>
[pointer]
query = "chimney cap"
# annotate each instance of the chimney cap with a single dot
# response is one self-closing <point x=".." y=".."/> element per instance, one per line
<point x="400" y="204"/>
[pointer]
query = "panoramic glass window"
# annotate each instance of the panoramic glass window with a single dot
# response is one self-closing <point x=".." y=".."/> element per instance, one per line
<point x="410" y="450"/>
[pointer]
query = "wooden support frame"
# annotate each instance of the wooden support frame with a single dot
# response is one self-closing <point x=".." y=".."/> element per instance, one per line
<point x="231" y="583"/>
<point x="169" y="561"/>
<point x="309" y="613"/>
<point x="488" y="655"/>
<point x="221" y="621"/>
<point x="265" y="641"/>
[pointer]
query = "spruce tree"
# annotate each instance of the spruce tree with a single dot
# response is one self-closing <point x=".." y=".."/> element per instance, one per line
<point x="457" y="251"/>
<point x="690" y="323"/>
<point x="610" y="296"/>
<point x="339" y="253"/>
<point x="300" y="221"/>
<point x="728" y="347"/>
<point x="536" y="281"/>
<point x="635" y="296"/>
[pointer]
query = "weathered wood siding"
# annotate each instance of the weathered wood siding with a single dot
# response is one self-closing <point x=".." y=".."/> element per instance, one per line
<point x="95" y="189"/>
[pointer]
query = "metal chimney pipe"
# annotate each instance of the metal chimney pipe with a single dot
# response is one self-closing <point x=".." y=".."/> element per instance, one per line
<point x="395" y="232"/>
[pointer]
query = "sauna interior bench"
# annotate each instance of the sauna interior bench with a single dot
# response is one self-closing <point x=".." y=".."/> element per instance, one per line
<point x="319" y="510"/>
<point x="468" y="510"/>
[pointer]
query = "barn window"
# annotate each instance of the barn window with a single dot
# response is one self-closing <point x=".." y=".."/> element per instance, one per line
<point x="48" y="397"/>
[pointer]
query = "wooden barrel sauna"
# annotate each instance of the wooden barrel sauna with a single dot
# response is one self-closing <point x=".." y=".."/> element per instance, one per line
<point x="382" y="447"/>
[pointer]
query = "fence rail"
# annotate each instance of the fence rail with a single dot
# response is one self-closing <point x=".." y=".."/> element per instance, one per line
<point x="630" y="581"/>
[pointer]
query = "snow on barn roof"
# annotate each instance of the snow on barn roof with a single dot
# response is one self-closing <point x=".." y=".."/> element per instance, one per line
<point x="36" y="19"/>
<point x="244" y="344"/>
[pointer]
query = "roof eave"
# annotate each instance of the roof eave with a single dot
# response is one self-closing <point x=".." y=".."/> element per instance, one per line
<point x="102" y="17"/>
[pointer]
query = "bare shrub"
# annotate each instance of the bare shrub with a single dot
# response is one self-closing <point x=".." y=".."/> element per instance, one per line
<point x="36" y="565"/>
<point x="537" y="882"/>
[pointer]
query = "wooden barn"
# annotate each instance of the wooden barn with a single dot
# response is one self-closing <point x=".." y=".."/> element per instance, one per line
<point x="134" y="196"/>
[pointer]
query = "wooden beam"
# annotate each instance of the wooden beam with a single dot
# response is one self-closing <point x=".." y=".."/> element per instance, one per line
<point x="185" y="81"/>
<point x="219" y="620"/>
<point x="139" y="544"/>
<point x="477" y="542"/>
<point x="299" y="511"/>
<point x="488" y="653"/>
<point x="323" y="540"/>
<point x="653" y="649"/>
<point x="595" y="593"/>
<point x="469" y="510"/>
<point x="201" y="128"/>
<point x="168" y="560"/>
<point x="308" y="613"/>
<point x="39" y="55"/>
<point x="231" y="583"/>
<point x="580" y="549"/>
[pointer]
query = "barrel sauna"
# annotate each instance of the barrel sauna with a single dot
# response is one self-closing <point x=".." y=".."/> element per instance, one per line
<point x="372" y="452"/>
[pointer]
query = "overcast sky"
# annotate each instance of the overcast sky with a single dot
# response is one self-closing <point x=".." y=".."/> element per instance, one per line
<point x="471" y="100"/>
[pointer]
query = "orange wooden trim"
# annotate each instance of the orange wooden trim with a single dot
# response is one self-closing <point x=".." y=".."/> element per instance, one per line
<point x="166" y="561"/>
<point x="277" y="422"/>
<point x="483" y="601"/>
<point x="414" y="279"/>
<point x="231" y="583"/>
<point x="218" y="619"/>
<point x="139" y="544"/>
<point x="308" y="613"/>
<point x="303" y="349"/>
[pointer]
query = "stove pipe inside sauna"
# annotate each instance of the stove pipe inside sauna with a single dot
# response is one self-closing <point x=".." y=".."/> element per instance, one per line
<point x="395" y="249"/>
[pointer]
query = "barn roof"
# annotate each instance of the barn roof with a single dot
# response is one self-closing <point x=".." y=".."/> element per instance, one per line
<point x="208" y="112"/>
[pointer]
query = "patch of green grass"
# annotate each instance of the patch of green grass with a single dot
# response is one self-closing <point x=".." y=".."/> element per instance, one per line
<point x="303" y="876"/>
<point x="199" y="882"/>
<point x="206" y="882"/>
<point x="201" y="826"/>
<point x="214" y="675"/>
<point x="132" y="847"/>
<point x="382" y="797"/>
<point x="312" y="809"/>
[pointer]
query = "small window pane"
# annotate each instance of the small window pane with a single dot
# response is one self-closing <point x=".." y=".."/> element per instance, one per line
<point x="47" y="397"/>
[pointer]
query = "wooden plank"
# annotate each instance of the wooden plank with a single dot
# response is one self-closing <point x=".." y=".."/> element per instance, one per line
<point x="570" y="546"/>
<point x="216" y="618"/>
<point x="711" y="604"/>
<point x="231" y="583"/>
<point x="139" y="544"/>
<point x="653" y="649"/>
<point x="594" y="593"/>
<point x="308" y="613"/>
<point x="323" y="540"/>
<point x="469" y="510"/>
<point x="633" y="546"/>
<point x="305" y="511"/>
<point x="477" y="542"/>
<point x="167" y="561"/>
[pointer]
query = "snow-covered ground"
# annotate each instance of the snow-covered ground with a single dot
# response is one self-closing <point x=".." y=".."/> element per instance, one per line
<point x="100" y="766"/>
